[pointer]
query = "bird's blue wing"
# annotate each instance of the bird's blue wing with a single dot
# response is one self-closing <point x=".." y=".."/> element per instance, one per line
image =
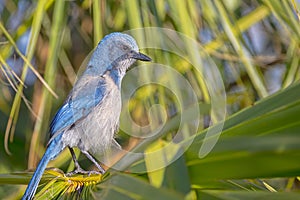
<point x="81" y="101"/>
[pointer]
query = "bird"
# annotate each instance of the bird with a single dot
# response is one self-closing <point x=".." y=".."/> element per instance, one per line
<point x="89" y="117"/>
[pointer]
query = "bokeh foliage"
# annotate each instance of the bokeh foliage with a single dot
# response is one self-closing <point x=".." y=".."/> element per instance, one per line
<point x="254" y="44"/>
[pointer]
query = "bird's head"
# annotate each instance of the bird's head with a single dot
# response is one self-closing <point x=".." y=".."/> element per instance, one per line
<point x="116" y="50"/>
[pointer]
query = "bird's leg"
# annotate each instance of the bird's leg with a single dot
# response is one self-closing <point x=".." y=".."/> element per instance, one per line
<point x="91" y="158"/>
<point x="77" y="166"/>
<point x="116" y="144"/>
<point x="78" y="169"/>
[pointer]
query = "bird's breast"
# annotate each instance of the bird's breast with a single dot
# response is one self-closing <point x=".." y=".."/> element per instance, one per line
<point x="96" y="131"/>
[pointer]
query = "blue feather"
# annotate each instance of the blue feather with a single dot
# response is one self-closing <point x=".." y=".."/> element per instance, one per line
<point x="77" y="107"/>
<point x="54" y="148"/>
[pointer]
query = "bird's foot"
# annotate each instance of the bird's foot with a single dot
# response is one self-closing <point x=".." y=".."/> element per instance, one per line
<point x="79" y="170"/>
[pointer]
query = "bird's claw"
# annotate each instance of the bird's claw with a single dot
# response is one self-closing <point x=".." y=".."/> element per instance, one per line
<point x="79" y="170"/>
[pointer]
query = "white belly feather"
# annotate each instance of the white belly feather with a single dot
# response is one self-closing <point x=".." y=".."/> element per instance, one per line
<point x="95" y="133"/>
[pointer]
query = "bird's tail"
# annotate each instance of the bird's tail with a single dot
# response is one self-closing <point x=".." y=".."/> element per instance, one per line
<point x="54" y="148"/>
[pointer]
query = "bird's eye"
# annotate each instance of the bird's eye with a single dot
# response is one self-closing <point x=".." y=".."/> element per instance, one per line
<point x="125" y="48"/>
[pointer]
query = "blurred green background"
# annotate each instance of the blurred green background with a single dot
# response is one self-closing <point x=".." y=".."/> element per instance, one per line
<point x="254" y="44"/>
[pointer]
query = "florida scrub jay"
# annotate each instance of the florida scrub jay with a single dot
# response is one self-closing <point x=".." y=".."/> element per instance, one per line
<point x="89" y="117"/>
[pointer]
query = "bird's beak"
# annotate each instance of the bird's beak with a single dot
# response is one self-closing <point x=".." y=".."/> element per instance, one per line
<point x="140" y="56"/>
